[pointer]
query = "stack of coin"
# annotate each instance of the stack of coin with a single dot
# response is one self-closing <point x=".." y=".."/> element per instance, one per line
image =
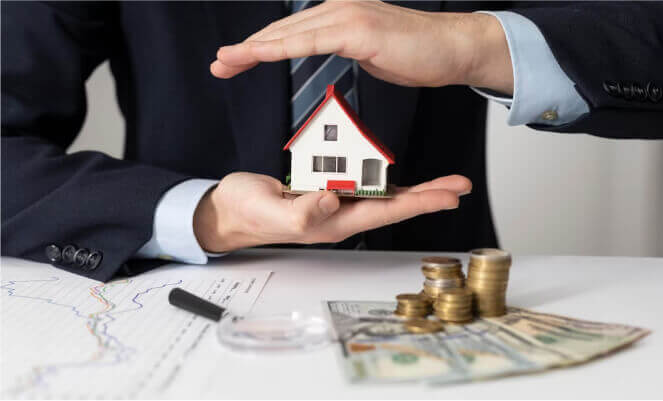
<point x="454" y="305"/>
<point x="413" y="305"/>
<point x="487" y="278"/>
<point x="441" y="274"/>
<point x="420" y="325"/>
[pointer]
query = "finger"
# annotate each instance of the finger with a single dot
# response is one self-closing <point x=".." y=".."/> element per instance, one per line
<point x="366" y="215"/>
<point x="456" y="183"/>
<point x="311" y="209"/>
<point x="369" y="214"/>
<point x="220" y="70"/>
<point x="326" y="40"/>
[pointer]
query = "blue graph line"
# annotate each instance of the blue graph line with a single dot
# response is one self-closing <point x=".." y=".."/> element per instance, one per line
<point x="123" y="352"/>
<point x="112" y="317"/>
<point x="11" y="292"/>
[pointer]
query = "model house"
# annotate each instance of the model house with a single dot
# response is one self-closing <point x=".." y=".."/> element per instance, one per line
<point x="334" y="150"/>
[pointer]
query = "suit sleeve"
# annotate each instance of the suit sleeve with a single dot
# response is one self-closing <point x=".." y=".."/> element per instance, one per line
<point x="612" y="52"/>
<point x="102" y="206"/>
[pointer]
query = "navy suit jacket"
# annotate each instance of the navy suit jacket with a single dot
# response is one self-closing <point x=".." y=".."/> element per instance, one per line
<point x="181" y="122"/>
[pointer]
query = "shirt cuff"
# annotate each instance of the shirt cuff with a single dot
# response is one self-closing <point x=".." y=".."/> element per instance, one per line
<point x="542" y="92"/>
<point x="173" y="237"/>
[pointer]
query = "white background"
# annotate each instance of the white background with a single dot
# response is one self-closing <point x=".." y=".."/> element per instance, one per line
<point x="551" y="193"/>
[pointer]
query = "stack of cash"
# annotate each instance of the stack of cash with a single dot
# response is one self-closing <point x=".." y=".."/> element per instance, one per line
<point x="454" y="305"/>
<point x="487" y="278"/>
<point x="441" y="274"/>
<point x="413" y="305"/>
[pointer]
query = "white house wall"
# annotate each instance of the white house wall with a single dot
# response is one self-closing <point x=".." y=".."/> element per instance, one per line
<point x="351" y="144"/>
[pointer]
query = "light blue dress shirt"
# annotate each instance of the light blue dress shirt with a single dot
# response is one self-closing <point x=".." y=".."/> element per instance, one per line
<point x="542" y="94"/>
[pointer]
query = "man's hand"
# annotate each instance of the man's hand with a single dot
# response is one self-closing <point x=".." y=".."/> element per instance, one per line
<point x="396" y="44"/>
<point x="250" y="209"/>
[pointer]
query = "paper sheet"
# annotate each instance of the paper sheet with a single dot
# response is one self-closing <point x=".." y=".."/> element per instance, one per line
<point x="65" y="336"/>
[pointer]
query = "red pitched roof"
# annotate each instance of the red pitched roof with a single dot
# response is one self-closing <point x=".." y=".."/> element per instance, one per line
<point x="361" y="127"/>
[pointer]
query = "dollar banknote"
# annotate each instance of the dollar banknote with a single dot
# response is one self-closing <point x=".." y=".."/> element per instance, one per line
<point x="376" y="347"/>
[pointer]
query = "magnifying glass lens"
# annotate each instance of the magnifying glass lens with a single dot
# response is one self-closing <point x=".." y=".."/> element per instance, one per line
<point x="287" y="332"/>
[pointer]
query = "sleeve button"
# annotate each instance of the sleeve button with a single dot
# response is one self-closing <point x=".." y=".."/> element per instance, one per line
<point x="639" y="93"/>
<point x="68" y="254"/>
<point x="549" y="115"/>
<point x="654" y="92"/>
<point x="628" y="91"/>
<point x="80" y="257"/>
<point x="93" y="260"/>
<point x="612" y="88"/>
<point x="53" y="253"/>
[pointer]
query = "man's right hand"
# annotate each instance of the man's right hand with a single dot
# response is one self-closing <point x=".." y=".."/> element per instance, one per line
<point x="248" y="209"/>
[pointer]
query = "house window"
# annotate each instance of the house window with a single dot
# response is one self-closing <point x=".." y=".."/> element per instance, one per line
<point x="331" y="132"/>
<point x="370" y="172"/>
<point x="340" y="165"/>
<point x="329" y="164"/>
<point x="317" y="164"/>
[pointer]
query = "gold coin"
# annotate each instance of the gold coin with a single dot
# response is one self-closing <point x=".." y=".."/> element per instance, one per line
<point x="493" y="313"/>
<point x="490" y="254"/>
<point x="406" y="308"/>
<point x="402" y="314"/>
<point x="488" y="275"/>
<point x="455" y="307"/>
<point x="434" y="292"/>
<point x="420" y="326"/>
<point x="414" y="311"/>
<point x="435" y="274"/>
<point x="441" y="304"/>
<point x="440" y="261"/>
<point x="478" y="286"/>
<point x="411" y="298"/>
<point x="457" y="293"/>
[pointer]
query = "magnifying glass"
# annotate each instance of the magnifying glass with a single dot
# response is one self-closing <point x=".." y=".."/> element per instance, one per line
<point x="293" y="331"/>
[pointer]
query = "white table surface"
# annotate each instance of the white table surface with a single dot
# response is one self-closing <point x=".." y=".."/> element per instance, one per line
<point x="607" y="289"/>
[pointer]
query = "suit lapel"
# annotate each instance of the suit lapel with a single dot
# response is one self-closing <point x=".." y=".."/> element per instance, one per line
<point x="257" y="100"/>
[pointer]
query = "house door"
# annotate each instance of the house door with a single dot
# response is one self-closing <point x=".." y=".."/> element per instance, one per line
<point x="370" y="172"/>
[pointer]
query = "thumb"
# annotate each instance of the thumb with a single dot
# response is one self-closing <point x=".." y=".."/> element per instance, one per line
<point x="312" y="208"/>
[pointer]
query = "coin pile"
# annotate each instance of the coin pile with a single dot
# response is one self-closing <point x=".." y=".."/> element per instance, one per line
<point x="413" y="305"/>
<point x="487" y="278"/>
<point x="454" y="305"/>
<point x="422" y="325"/>
<point x="441" y="274"/>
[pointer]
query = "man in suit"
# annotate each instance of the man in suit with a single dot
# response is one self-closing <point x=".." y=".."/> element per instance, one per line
<point x="560" y="68"/>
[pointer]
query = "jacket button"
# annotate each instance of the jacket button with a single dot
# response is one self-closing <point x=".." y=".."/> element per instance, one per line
<point x="627" y="91"/>
<point x="93" y="260"/>
<point x="654" y="92"/>
<point x="53" y="253"/>
<point x="68" y="254"/>
<point x="80" y="257"/>
<point x="612" y="88"/>
<point x="639" y="93"/>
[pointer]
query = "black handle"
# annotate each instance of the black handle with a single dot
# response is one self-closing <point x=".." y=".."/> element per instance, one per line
<point x="194" y="304"/>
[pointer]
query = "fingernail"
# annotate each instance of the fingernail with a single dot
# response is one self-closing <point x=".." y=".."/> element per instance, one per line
<point x="465" y="193"/>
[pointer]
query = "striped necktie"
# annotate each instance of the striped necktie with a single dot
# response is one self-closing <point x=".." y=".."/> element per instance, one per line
<point x="311" y="75"/>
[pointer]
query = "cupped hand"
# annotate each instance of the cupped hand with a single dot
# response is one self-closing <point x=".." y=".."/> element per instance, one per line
<point x="395" y="44"/>
<point x="248" y="209"/>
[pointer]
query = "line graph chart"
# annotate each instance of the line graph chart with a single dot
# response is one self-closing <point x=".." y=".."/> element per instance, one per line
<point x="65" y="336"/>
